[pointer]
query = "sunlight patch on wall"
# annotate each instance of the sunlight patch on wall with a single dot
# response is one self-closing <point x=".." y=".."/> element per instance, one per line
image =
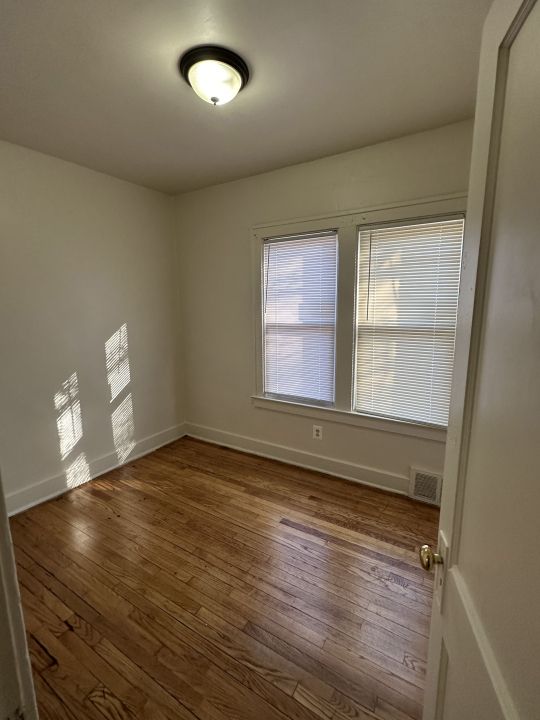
<point x="119" y="377"/>
<point x="123" y="428"/>
<point x="78" y="472"/>
<point x="70" y="431"/>
<point x="69" y="421"/>
<point x="117" y="361"/>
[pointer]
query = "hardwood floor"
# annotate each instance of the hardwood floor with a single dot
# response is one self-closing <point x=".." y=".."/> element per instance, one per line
<point x="200" y="582"/>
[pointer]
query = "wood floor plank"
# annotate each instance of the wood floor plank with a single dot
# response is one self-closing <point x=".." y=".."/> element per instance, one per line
<point x="314" y="587"/>
<point x="51" y="706"/>
<point x="369" y="594"/>
<point x="203" y="583"/>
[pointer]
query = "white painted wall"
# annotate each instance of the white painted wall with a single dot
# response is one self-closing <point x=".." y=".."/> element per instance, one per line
<point x="81" y="253"/>
<point x="215" y="276"/>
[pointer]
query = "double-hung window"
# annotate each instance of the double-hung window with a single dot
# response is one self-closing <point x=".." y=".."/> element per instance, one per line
<point x="369" y="308"/>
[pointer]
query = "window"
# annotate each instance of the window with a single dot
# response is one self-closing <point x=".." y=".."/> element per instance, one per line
<point x="407" y="292"/>
<point x="362" y="319"/>
<point x="299" y="316"/>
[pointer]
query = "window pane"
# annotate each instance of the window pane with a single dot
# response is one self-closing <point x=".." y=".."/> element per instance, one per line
<point x="408" y="282"/>
<point x="299" y="307"/>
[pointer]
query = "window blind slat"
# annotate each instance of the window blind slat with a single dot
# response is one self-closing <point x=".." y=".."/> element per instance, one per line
<point x="407" y="293"/>
<point x="299" y="316"/>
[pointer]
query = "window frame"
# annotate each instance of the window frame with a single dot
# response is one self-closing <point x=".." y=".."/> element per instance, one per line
<point x="347" y="225"/>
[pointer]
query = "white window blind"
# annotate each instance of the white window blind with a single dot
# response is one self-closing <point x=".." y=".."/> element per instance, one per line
<point x="299" y="314"/>
<point x="407" y="295"/>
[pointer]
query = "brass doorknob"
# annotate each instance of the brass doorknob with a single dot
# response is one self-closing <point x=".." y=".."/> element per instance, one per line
<point x="428" y="558"/>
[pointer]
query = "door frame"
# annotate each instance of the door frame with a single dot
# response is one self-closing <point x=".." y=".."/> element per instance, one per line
<point x="9" y="587"/>
<point x="503" y="23"/>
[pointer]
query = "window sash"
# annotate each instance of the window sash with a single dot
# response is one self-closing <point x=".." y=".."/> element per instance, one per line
<point x="406" y="310"/>
<point x="299" y="308"/>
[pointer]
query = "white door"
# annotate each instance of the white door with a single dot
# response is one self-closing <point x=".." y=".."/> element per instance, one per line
<point x="16" y="688"/>
<point x="484" y="661"/>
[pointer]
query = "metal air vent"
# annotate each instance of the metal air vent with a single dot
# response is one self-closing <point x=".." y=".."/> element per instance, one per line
<point x="425" y="486"/>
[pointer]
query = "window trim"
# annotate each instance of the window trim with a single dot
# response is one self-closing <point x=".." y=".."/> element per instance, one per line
<point x="347" y="225"/>
<point x="344" y="417"/>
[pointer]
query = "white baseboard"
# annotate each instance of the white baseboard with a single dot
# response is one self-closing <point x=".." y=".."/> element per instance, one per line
<point x="340" y="468"/>
<point x="51" y="487"/>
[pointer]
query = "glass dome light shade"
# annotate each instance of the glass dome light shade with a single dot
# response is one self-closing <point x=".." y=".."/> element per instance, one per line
<point x="214" y="81"/>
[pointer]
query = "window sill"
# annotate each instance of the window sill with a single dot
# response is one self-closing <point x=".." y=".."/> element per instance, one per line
<point x="398" y="427"/>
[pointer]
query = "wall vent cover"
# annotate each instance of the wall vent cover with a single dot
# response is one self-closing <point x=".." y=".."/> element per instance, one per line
<point x="425" y="486"/>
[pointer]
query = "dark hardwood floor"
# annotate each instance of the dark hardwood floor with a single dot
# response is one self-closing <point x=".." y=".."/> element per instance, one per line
<point x="200" y="582"/>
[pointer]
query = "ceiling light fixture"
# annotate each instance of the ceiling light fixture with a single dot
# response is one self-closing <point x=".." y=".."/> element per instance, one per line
<point x="215" y="73"/>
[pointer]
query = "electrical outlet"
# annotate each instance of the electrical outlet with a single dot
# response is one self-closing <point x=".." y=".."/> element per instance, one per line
<point x="317" y="432"/>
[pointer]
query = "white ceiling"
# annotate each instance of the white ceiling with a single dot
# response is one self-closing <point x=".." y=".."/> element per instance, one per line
<point x="96" y="81"/>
